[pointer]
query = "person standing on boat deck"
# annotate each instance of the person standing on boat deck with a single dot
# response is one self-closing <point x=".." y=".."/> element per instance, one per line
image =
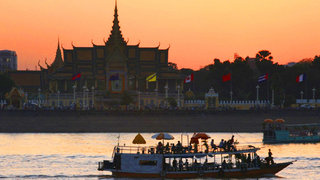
<point x="180" y="164"/>
<point x="179" y="147"/>
<point x="173" y="149"/>
<point x="174" y="164"/>
<point x="186" y="164"/>
<point x="249" y="160"/>
<point x="221" y="144"/>
<point x="224" y="146"/>
<point x="167" y="148"/>
<point x="159" y="148"/>
<point x="232" y="147"/>
<point x="270" y="157"/>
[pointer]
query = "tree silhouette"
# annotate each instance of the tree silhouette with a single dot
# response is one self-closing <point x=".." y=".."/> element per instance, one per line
<point x="264" y="55"/>
<point x="6" y="84"/>
<point x="245" y="74"/>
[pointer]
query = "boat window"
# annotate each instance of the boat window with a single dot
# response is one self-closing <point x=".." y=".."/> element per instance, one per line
<point x="147" y="163"/>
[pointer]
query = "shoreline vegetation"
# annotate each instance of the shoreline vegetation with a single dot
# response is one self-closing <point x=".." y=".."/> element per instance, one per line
<point x="151" y="121"/>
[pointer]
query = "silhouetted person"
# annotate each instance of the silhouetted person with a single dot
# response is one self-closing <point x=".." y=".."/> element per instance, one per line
<point x="213" y="146"/>
<point x="249" y="160"/>
<point x="186" y="164"/>
<point x="174" y="164"/>
<point x="167" y="148"/>
<point x="180" y="164"/>
<point x="221" y="144"/>
<point x="269" y="159"/>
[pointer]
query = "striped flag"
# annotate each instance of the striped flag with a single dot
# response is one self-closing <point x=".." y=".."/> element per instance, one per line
<point x="301" y="78"/>
<point x="152" y="78"/>
<point x="189" y="78"/>
<point x="114" y="77"/>
<point x="263" y="78"/>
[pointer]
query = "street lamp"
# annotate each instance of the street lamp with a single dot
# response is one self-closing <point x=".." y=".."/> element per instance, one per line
<point x="314" y="94"/>
<point x="156" y="103"/>
<point x="166" y="94"/>
<point x="301" y="95"/>
<point x="139" y="100"/>
<point x="58" y="98"/>
<point x="92" y="88"/>
<point x="231" y="93"/>
<point x="257" y="92"/>
<point x="74" y="94"/>
<point x="87" y="98"/>
<point x="39" y="90"/>
<point x="272" y="97"/>
<point x="178" y="87"/>
<point x="84" y="97"/>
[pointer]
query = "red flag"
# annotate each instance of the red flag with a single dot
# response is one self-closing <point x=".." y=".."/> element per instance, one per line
<point x="76" y="76"/>
<point x="189" y="78"/>
<point x="226" y="77"/>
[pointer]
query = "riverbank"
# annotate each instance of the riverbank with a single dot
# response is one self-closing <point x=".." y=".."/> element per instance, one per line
<point x="171" y="121"/>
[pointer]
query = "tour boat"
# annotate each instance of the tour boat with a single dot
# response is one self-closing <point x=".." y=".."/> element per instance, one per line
<point x="278" y="132"/>
<point x="148" y="162"/>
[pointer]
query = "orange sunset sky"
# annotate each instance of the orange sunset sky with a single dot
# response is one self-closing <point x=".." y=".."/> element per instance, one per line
<point x="197" y="30"/>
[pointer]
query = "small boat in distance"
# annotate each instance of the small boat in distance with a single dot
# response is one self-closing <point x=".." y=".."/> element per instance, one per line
<point x="278" y="132"/>
<point x="178" y="161"/>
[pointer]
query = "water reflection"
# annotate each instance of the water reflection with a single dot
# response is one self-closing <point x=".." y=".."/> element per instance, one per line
<point x="70" y="155"/>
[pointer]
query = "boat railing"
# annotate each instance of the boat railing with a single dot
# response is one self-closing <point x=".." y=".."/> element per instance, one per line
<point x="134" y="149"/>
<point x="182" y="150"/>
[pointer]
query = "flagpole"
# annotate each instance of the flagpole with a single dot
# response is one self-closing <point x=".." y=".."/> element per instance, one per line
<point x="268" y="90"/>
<point x="231" y="93"/>
<point x="306" y="85"/>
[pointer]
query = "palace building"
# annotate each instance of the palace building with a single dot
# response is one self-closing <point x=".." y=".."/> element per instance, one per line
<point x="107" y="71"/>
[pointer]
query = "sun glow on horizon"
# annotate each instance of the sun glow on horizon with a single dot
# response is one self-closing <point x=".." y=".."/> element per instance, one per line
<point x="196" y="31"/>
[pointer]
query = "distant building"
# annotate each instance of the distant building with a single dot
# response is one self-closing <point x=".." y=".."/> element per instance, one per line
<point x="111" y="69"/>
<point x="290" y="64"/>
<point x="8" y="61"/>
<point x="104" y="75"/>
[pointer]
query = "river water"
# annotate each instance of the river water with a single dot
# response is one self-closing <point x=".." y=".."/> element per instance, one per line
<point x="75" y="155"/>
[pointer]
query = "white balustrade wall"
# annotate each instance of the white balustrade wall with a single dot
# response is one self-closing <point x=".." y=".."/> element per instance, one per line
<point x="195" y="102"/>
<point x="308" y="101"/>
<point x="248" y="102"/>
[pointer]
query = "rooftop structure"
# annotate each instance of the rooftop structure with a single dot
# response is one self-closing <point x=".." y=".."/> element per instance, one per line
<point x="8" y="60"/>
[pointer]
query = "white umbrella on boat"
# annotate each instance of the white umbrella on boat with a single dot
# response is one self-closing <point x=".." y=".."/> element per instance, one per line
<point x="162" y="136"/>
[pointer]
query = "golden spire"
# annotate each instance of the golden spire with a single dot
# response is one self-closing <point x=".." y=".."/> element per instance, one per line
<point x="115" y="37"/>
<point x="58" y="62"/>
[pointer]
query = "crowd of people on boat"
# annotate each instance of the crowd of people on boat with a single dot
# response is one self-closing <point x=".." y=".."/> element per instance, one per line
<point x="223" y="146"/>
<point x="243" y="162"/>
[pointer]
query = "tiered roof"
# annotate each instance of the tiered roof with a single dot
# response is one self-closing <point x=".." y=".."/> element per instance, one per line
<point x="116" y="37"/>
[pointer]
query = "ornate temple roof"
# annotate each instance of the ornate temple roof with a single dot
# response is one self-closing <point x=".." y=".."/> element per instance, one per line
<point x="58" y="62"/>
<point x="116" y="37"/>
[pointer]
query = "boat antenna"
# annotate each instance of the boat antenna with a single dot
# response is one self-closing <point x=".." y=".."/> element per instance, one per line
<point x="118" y="138"/>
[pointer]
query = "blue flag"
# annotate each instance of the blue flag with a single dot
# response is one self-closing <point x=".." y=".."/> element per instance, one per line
<point x="114" y="77"/>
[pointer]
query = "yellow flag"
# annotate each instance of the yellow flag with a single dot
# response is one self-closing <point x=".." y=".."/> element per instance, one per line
<point x="152" y="77"/>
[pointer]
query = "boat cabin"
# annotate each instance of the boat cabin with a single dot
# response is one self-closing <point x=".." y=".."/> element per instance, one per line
<point x="278" y="132"/>
<point x="131" y="160"/>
